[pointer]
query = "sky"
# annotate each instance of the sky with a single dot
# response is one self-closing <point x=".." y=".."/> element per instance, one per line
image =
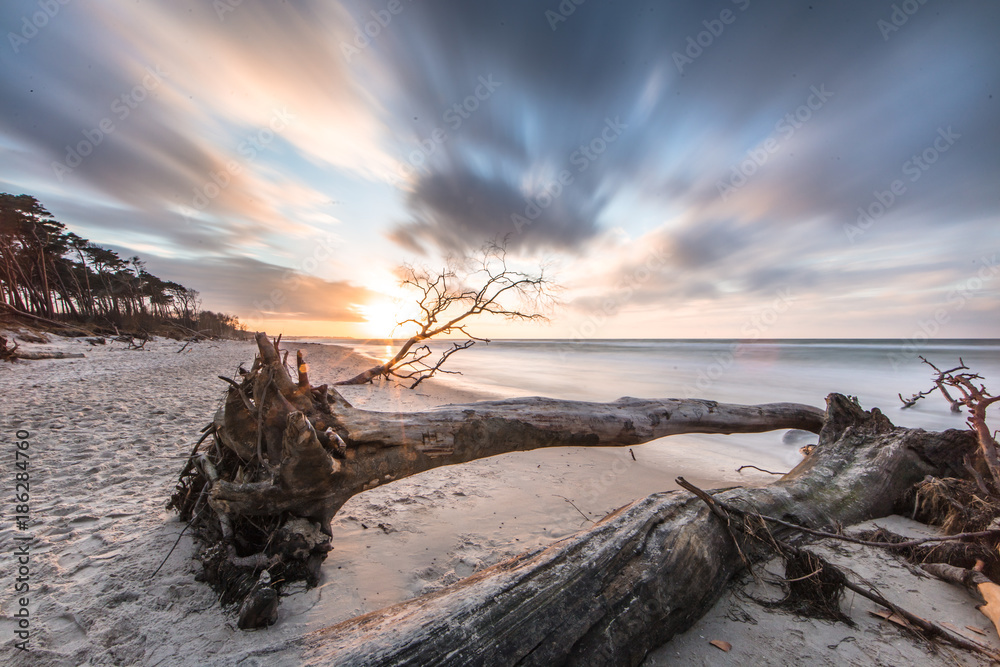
<point x="690" y="169"/>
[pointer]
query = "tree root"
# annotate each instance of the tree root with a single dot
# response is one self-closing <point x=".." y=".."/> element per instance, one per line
<point x="235" y="549"/>
<point x="815" y="585"/>
<point x="956" y="505"/>
<point x="8" y="352"/>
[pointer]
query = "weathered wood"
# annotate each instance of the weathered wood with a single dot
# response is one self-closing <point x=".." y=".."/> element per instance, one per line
<point x="13" y="352"/>
<point x="8" y="352"/>
<point x="972" y="580"/>
<point x="35" y="356"/>
<point x="604" y="596"/>
<point x="610" y="594"/>
<point x="385" y="446"/>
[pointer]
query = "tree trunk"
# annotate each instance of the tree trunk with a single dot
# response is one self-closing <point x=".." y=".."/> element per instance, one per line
<point x="302" y="428"/>
<point x="35" y="356"/>
<point x="379" y="370"/>
<point x="611" y="593"/>
<point x="291" y="454"/>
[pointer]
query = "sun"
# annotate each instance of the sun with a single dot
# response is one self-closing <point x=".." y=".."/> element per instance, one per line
<point x="381" y="318"/>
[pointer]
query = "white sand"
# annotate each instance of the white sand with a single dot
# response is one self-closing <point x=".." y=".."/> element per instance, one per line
<point x="109" y="434"/>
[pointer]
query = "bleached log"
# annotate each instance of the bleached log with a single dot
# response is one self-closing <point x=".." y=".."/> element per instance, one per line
<point x="35" y="356"/>
<point x="604" y="596"/>
<point x="384" y="446"/>
<point x="612" y="593"/>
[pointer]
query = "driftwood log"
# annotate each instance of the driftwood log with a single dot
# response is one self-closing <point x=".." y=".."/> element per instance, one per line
<point x="290" y="454"/>
<point x="325" y="452"/>
<point x="12" y="352"/>
<point x="35" y="356"/>
<point x="610" y="594"/>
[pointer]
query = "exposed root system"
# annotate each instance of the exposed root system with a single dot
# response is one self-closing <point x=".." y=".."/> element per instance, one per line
<point x="814" y="587"/>
<point x="956" y="505"/>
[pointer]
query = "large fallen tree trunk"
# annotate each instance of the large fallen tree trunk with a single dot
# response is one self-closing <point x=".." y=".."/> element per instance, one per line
<point x="289" y="455"/>
<point x="320" y="451"/>
<point x="13" y="352"/>
<point x="610" y="594"/>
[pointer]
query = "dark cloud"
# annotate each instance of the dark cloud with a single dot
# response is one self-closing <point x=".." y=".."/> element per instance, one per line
<point x="482" y="107"/>
<point x="688" y="129"/>
<point x="704" y="244"/>
<point x="100" y="123"/>
<point x="460" y="210"/>
<point x="159" y="117"/>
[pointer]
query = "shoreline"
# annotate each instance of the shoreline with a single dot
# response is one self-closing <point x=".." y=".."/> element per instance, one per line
<point x="111" y="431"/>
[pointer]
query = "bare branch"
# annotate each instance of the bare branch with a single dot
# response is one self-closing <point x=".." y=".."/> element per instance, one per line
<point x="448" y="300"/>
<point x="976" y="399"/>
<point x="912" y="400"/>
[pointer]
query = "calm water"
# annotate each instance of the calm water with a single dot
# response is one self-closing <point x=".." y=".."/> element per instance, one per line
<point x="803" y="371"/>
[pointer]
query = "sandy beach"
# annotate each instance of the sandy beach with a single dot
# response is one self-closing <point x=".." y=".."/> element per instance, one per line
<point x="570" y="223"/>
<point x="109" y="433"/>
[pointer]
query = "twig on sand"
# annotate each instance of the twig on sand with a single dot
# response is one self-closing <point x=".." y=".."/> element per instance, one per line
<point x="740" y="469"/>
<point x="575" y="507"/>
<point x="177" y="541"/>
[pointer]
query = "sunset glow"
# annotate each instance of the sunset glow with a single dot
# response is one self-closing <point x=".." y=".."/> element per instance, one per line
<point x="399" y="327"/>
<point x="381" y="319"/>
<point x="679" y="172"/>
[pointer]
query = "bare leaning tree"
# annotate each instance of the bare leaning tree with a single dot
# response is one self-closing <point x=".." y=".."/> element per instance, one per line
<point x="448" y="299"/>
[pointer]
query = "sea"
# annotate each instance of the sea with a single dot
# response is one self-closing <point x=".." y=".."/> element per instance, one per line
<point x="876" y="371"/>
